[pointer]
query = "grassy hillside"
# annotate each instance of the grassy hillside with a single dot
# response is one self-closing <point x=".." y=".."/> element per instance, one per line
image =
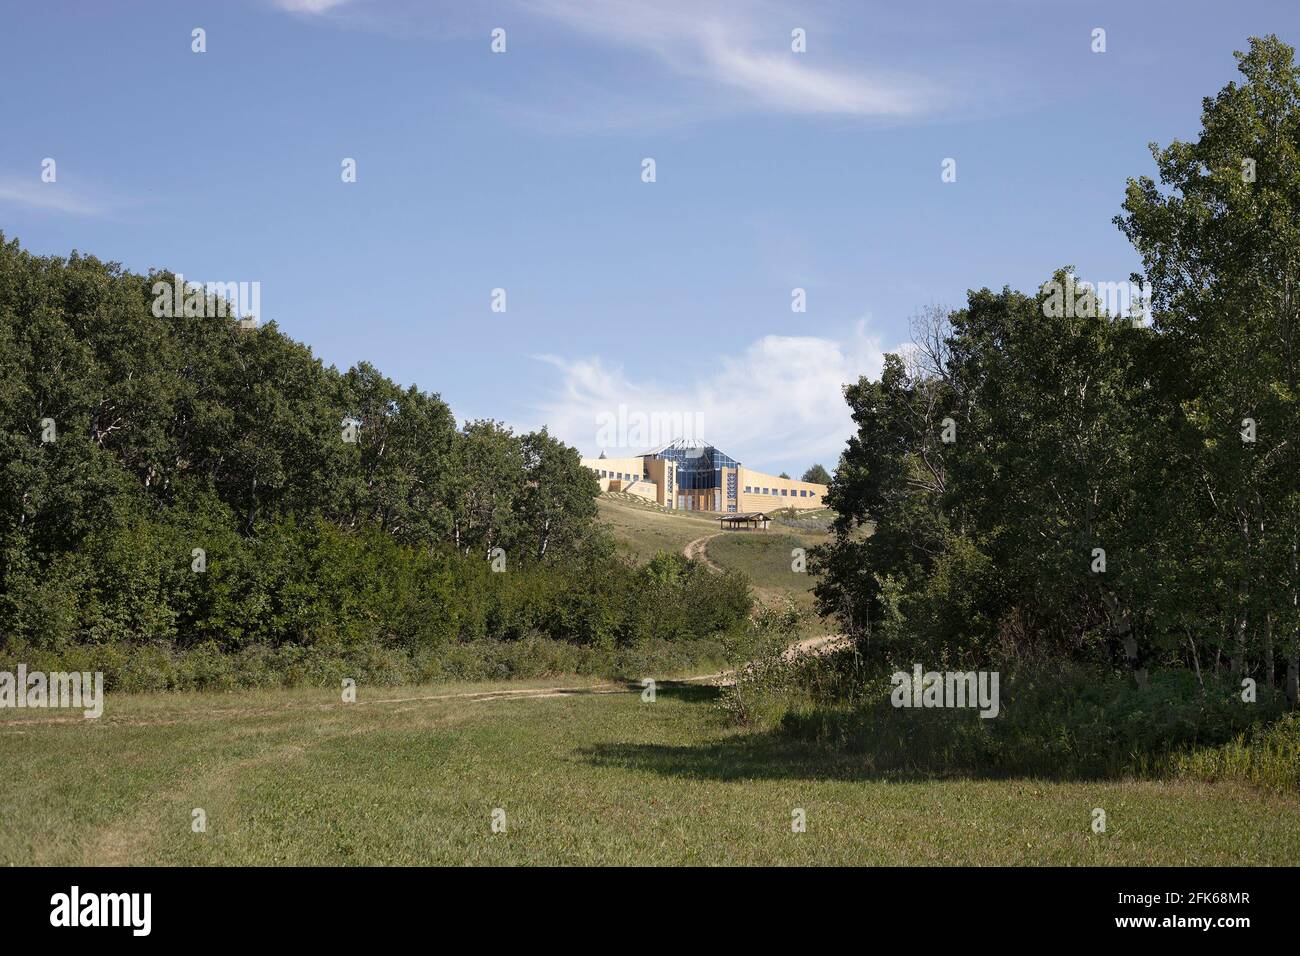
<point x="641" y="529"/>
<point x="765" y="558"/>
<point x="297" y="777"/>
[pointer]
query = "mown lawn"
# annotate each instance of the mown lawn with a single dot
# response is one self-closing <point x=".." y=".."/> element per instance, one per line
<point x="298" y="777"/>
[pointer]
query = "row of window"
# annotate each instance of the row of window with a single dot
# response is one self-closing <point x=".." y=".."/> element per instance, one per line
<point x="620" y="475"/>
<point x="801" y="493"/>
<point x="755" y="490"/>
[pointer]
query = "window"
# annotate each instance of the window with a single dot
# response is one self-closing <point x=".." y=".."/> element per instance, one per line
<point x="783" y="492"/>
<point x="802" y="493"/>
<point x="747" y="489"/>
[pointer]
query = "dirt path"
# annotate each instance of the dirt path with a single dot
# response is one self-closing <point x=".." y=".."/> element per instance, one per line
<point x="697" y="551"/>
<point x="822" y="644"/>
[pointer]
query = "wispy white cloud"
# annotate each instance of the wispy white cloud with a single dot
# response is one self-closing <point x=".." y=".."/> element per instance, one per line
<point x="31" y="192"/>
<point x="718" y="58"/>
<point x="743" y="48"/>
<point x="309" y="6"/>
<point x="779" y="400"/>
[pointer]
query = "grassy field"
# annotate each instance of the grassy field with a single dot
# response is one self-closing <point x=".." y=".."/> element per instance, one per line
<point x="585" y="772"/>
<point x="298" y="777"/>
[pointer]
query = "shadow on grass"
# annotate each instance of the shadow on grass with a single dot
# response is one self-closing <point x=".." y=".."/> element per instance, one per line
<point x="688" y="692"/>
<point x="780" y="754"/>
<point x="749" y="756"/>
<point x="774" y="755"/>
<point x="1079" y="726"/>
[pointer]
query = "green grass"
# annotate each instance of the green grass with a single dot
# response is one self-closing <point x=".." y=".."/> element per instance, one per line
<point x="765" y="558"/>
<point x="298" y="777"/>
<point x="641" y="530"/>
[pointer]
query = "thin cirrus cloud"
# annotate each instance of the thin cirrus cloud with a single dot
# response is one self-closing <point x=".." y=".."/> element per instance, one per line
<point x="743" y="50"/>
<point x="779" y="400"/>
<point x="32" y="193"/>
<point x="309" y="6"/>
<point x="730" y="58"/>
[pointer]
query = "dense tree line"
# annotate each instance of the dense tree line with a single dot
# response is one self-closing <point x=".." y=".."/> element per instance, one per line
<point x="199" y="480"/>
<point x="1049" y="480"/>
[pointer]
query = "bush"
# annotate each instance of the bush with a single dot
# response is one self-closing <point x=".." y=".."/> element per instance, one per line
<point x="1073" y="723"/>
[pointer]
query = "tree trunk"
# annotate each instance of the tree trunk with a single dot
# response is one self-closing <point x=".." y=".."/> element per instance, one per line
<point x="1268" y="649"/>
<point x="1293" y="657"/>
<point x="1196" y="659"/>
<point x="1241" y="622"/>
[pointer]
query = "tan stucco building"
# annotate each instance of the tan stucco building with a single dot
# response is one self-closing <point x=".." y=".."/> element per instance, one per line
<point x="693" y="476"/>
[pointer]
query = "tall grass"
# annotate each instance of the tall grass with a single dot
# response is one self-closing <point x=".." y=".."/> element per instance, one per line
<point x="1268" y="757"/>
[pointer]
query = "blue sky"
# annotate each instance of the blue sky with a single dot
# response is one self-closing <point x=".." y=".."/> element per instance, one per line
<point x="522" y="171"/>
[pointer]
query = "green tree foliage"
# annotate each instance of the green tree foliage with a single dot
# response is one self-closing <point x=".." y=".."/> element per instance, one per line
<point x="818" y="475"/>
<point x="1049" y="482"/>
<point x="1218" y="238"/>
<point x="186" y="482"/>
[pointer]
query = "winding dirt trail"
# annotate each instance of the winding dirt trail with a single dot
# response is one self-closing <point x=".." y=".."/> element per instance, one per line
<point x="698" y="550"/>
<point x="822" y="644"/>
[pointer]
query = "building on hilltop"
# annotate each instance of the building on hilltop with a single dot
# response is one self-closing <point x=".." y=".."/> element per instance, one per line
<point x="692" y="475"/>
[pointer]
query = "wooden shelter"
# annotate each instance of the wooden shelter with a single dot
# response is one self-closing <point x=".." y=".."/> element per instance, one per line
<point x="747" y="521"/>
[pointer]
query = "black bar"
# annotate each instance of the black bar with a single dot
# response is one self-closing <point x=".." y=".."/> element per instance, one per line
<point x="535" y="905"/>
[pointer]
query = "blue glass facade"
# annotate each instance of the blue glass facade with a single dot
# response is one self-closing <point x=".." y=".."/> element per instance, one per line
<point x="699" y="467"/>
